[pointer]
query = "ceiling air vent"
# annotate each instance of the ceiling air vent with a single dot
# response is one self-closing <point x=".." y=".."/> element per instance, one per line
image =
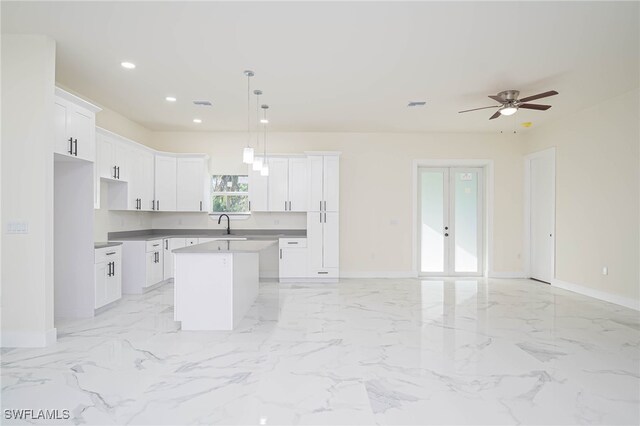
<point x="417" y="103"/>
<point x="202" y="103"/>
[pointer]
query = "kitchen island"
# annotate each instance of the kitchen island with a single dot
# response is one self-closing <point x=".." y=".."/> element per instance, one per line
<point x="216" y="283"/>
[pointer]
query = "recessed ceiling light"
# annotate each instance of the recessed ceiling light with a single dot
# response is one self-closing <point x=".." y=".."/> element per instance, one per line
<point x="197" y="120"/>
<point x="170" y="99"/>
<point x="128" y="65"/>
<point x="416" y="103"/>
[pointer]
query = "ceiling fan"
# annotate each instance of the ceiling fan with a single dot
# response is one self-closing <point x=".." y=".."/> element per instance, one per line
<point x="509" y="102"/>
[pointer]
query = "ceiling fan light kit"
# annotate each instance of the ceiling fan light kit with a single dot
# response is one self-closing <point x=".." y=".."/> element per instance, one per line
<point x="510" y="104"/>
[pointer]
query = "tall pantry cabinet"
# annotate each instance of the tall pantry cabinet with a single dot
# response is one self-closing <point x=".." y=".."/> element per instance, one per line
<point x="323" y="215"/>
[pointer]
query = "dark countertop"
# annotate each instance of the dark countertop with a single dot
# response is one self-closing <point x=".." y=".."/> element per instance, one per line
<point x="252" y="234"/>
<point x="215" y="247"/>
<point x="103" y="244"/>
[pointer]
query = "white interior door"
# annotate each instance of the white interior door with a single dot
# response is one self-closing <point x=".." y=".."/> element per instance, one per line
<point x="542" y="216"/>
<point x="450" y="218"/>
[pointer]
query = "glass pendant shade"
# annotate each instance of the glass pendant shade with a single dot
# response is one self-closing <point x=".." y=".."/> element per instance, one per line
<point x="247" y="155"/>
<point x="265" y="170"/>
<point x="257" y="164"/>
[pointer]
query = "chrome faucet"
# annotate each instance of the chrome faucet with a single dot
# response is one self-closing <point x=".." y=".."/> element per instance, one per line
<point x="228" y="223"/>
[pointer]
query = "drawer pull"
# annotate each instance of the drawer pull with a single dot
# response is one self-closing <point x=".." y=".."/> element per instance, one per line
<point x="323" y="273"/>
<point x="110" y="253"/>
<point x="292" y="242"/>
<point x="156" y="245"/>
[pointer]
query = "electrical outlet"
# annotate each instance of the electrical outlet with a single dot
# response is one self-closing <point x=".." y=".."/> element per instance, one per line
<point x="605" y="270"/>
<point x="18" y="227"/>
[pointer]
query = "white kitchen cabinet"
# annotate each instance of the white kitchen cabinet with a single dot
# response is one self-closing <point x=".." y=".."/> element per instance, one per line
<point x="297" y="184"/>
<point x="142" y="265"/>
<point x="112" y="156"/>
<point x="258" y="191"/>
<point x="288" y="184"/>
<point x="169" y="245"/>
<point x="192" y="180"/>
<point x="108" y="276"/>
<point x="74" y="126"/>
<point x="278" y="184"/>
<point x="141" y="182"/>
<point x="323" y="231"/>
<point x="323" y="244"/>
<point x="155" y="269"/>
<point x="293" y="259"/>
<point x="100" y="285"/>
<point x="324" y="182"/>
<point x="165" y="182"/>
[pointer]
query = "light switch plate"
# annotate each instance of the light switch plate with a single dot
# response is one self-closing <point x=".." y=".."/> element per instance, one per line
<point x="17" y="227"/>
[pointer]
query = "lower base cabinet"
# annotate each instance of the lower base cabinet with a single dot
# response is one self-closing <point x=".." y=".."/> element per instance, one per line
<point x="293" y="259"/>
<point x="142" y="265"/>
<point x="170" y="244"/>
<point x="108" y="276"/>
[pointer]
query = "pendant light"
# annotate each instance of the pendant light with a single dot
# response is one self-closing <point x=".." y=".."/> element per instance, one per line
<point x="265" y="166"/>
<point x="247" y="153"/>
<point x="257" y="161"/>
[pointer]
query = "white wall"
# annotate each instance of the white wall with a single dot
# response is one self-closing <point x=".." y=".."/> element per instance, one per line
<point x="376" y="196"/>
<point x="28" y="76"/>
<point x="597" y="196"/>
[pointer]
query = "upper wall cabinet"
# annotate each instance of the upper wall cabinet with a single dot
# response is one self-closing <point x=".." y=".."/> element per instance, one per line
<point x="75" y="123"/>
<point x="192" y="184"/>
<point x="165" y="183"/>
<point x="324" y="178"/>
<point x="284" y="190"/>
<point x="112" y="156"/>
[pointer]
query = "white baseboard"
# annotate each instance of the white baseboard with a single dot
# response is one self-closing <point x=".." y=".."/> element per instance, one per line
<point x="28" y="339"/>
<point x="378" y="274"/>
<point x="516" y="275"/>
<point x="597" y="294"/>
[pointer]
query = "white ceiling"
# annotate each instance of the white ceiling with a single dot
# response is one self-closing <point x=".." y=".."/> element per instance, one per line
<point x="338" y="66"/>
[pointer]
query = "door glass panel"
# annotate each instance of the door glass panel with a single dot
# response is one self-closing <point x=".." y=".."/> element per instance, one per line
<point x="432" y="221"/>
<point x="466" y="221"/>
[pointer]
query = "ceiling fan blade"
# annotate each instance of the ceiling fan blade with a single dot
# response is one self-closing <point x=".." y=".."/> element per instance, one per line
<point x="496" y="115"/>
<point x="476" y="109"/>
<point x="535" y="106"/>
<point x="539" y="96"/>
<point x="497" y="98"/>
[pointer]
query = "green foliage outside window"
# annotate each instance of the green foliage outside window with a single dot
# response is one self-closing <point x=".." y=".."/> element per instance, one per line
<point x="230" y="194"/>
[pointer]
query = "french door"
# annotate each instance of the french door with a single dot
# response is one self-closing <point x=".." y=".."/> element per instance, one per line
<point x="450" y="218"/>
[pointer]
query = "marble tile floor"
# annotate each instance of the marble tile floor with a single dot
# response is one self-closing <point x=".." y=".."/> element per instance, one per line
<point x="363" y="351"/>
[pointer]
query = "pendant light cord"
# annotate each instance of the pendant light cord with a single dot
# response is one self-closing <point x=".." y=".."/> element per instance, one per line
<point x="248" y="110"/>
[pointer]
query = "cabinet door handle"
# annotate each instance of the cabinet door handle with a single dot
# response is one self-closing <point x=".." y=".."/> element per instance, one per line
<point x="110" y="253"/>
<point x="75" y="142"/>
<point x="71" y="146"/>
<point x="166" y="244"/>
<point x="115" y="176"/>
<point x="325" y="218"/>
<point x="320" y="217"/>
<point x="320" y="206"/>
<point x="285" y="206"/>
<point x="292" y="242"/>
<point x="280" y="253"/>
<point x="118" y="172"/>
<point x="158" y="205"/>
<point x="249" y="205"/>
<point x="289" y="205"/>
<point x="153" y="204"/>
<point x="325" y="206"/>
<point x="200" y="205"/>
<point x="323" y="272"/>
<point x="156" y="245"/>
